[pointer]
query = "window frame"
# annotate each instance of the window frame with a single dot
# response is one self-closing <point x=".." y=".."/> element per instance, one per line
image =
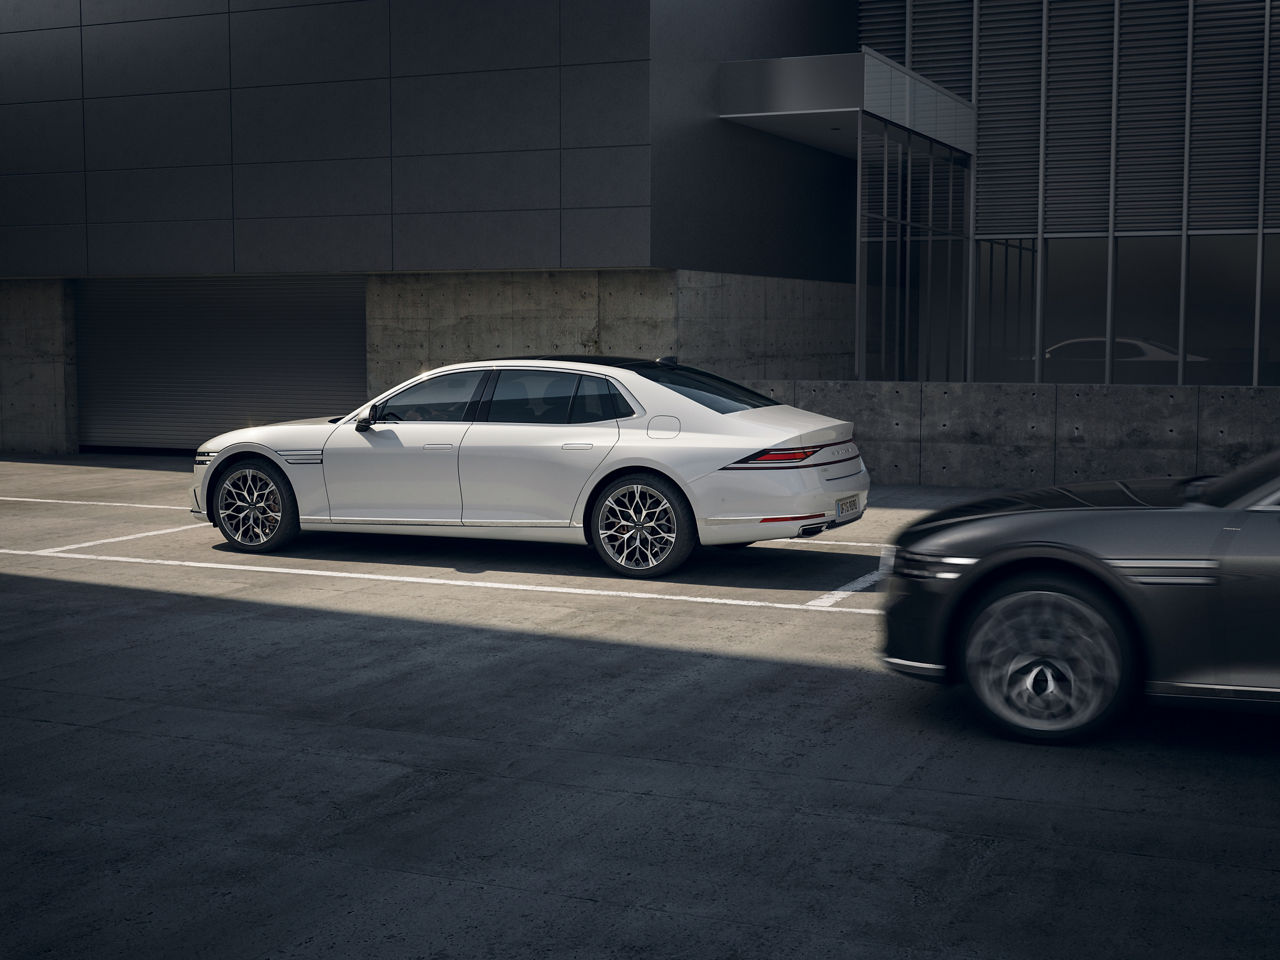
<point x="468" y="413"/>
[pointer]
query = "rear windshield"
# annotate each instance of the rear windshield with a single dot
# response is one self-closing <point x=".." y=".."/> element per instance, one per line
<point x="721" y="395"/>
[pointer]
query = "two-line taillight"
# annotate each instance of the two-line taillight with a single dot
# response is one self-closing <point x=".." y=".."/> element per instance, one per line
<point x="765" y="458"/>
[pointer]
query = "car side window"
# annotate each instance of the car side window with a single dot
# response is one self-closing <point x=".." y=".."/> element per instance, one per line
<point x="597" y="399"/>
<point x="439" y="399"/>
<point x="532" y="396"/>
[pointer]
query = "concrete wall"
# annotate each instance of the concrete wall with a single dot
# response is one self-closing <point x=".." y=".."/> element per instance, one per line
<point x="750" y="328"/>
<point x="742" y="327"/>
<point x="1022" y="435"/>
<point x="37" y="368"/>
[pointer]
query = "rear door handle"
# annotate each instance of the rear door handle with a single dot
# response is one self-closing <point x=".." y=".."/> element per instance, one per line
<point x="437" y="446"/>
<point x="575" y="446"/>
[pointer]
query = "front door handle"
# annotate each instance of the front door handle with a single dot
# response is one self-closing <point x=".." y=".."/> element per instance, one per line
<point x="575" y="446"/>
<point x="437" y="446"/>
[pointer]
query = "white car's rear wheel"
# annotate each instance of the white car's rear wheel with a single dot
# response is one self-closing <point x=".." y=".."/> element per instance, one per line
<point x="254" y="507"/>
<point x="642" y="526"/>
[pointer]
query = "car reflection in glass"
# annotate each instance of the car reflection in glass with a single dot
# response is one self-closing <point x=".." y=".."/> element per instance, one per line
<point x="1054" y="607"/>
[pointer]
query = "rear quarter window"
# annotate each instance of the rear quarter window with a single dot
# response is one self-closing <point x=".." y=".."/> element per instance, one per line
<point x="717" y="393"/>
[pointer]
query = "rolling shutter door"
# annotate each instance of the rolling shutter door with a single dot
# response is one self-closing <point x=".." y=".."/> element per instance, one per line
<point x="172" y="362"/>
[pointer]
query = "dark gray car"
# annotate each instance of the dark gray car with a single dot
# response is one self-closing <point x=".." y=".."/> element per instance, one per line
<point x="1054" y="606"/>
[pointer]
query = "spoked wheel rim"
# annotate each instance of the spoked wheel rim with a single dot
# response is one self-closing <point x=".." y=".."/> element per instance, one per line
<point x="1044" y="661"/>
<point x="249" y="507"/>
<point x="637" y="527"/>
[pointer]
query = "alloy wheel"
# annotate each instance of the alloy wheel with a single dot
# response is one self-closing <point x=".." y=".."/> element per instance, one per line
<point x="1044" y="662"/>
<point x="249" y="507"/>
<point x="637" y="526"/>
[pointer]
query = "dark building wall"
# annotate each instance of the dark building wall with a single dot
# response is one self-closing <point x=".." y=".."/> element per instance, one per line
<point x="211" y="137"/>
<point x="726" y="197"/>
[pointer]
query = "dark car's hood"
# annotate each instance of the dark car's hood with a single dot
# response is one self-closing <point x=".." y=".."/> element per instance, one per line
<point x="1133" y="494"/>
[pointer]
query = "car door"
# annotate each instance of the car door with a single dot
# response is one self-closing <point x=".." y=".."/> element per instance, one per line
<point x="1251" y="593"/>
<point x="404" y="467"/>
<point x="525" y="460"/>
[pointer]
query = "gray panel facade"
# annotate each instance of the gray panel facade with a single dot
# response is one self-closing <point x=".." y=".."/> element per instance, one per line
<point x="728" y="198"/>
<point x="189" y="129"/>
<point x="556" y="122"/>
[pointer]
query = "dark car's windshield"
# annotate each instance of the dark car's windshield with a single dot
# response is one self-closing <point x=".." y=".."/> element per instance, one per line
<point x="722" y="396"/>
<point x="1226" y="490"/>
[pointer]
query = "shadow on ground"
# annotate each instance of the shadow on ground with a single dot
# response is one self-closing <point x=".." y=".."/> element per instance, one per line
<point x="264" y="779"/>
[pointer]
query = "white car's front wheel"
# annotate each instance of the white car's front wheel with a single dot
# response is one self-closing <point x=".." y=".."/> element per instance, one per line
<point x="254" y="507"/>
<point x="642" y="526"/>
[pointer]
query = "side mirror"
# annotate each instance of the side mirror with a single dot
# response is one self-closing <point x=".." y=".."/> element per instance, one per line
<point x="368" y="420"/>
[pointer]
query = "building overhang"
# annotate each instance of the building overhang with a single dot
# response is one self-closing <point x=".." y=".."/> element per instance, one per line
<point x="817" y="100"/>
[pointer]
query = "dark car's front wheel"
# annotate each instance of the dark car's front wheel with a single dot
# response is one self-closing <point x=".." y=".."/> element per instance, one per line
<point x="642" y="526"/>
<point x="1047" y="659"/>
<point x="254" y="507"/>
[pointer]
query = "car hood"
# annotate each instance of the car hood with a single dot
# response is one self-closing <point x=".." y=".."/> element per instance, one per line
<point x="1128" y="494"/>
<point x="290" y="435"/>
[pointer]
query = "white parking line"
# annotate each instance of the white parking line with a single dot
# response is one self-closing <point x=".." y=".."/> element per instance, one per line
<point x="443" y="582"/>
<point x="132" y="536"/>
<point x="97" y="503"/>
<point x="848" y="590"/>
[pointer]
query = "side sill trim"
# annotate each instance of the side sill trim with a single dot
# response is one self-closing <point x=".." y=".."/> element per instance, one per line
<point x="931" y="671"/>
<point x="380" y="521"/>
<point x="1214" y="691"/>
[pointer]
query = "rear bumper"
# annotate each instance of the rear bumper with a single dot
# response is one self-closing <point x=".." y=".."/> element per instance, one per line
<point x="741" y="506"/>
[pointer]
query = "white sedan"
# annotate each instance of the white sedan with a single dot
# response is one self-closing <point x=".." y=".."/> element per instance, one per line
<point x="643" y="459"/>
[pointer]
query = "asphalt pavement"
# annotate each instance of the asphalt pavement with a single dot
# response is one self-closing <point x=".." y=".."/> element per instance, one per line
<point x="403" y="747"/>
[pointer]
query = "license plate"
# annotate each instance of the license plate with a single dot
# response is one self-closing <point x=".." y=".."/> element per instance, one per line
<point x="847" y="507"/>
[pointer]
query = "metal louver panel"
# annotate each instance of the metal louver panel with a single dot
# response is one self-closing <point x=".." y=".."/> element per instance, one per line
<point x="1226" y="113"/>
<point x="1271" y="214"/>
<point x="1078" y="124"/>
<point x="172" y="362"/>
<point x="942" y="43"/>
<point x="1008" y="179"/>
<point x="882" y="26"/>
<point x="1151" y="115"/>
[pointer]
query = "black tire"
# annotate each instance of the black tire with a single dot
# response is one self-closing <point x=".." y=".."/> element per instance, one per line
<point x="254" y="507"/>
<point x="1046" y="659"/>
<point x="642" y="526"/>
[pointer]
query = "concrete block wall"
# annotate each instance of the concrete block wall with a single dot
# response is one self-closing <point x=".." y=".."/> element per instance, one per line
<point x="752" y="328"/>
<point x="739" y="326"/>
<point x="415" y="322"/>
<point x="38" y="413"/>
<point x="1026" y="435"/>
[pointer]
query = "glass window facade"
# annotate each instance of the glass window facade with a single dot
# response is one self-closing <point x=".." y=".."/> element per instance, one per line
<point x="1125" y="194"/>
<point x="1220" y="300"/>
<point x="1074" y="342"/>
<point x="914" y="254"/>
<point x="1004" y="311"/>
<point x="1146" y="310"/>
